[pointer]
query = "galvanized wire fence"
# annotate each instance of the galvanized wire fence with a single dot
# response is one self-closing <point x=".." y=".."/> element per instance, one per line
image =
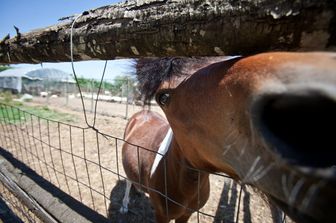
<point x="12" y="209"/>
<point x="86" y="164"/>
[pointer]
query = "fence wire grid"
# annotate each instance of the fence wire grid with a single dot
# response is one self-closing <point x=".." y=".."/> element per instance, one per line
<point x="13" y="210"/>
<point x="86" y="164"/>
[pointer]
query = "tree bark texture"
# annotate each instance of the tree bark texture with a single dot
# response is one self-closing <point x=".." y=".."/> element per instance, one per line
<point x="158" y="28"/>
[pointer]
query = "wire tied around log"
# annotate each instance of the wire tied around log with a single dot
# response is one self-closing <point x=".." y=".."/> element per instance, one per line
<point x="77" y="83"/>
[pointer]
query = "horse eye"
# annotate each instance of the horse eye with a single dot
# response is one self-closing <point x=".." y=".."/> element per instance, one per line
<point x="163" y="99"/>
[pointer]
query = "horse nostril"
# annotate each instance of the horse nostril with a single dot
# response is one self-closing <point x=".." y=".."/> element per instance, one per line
<point x="301" y="128"/>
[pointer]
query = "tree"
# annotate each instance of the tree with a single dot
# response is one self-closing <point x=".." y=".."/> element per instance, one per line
<point x="2" y="68"/>
<point x="123" y="86"/>
<point x="180" y="28"/>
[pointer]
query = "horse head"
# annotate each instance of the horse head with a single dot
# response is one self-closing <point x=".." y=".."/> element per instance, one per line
<point x="266" y="120"/>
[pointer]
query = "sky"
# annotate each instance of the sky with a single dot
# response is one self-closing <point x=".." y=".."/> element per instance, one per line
<point x="28" y="15"/>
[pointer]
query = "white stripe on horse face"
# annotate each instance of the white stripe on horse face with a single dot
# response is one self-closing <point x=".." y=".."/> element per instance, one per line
<point x="165" y="144"/>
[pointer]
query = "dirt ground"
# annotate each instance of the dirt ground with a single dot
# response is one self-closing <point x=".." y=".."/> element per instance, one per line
<point x="87" y="165"/>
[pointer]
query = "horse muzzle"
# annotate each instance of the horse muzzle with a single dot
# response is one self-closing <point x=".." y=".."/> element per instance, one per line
<point x="297" y="125"/>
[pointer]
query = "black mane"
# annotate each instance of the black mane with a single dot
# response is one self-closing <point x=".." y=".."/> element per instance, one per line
<point x="151" y="72"/>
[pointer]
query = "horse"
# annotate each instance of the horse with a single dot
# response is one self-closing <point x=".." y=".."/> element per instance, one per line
<point x="161" y="176"/>
<point x="266" y="120"/>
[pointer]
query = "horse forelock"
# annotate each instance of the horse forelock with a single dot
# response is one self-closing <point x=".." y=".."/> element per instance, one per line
<point x="151" y="72"/>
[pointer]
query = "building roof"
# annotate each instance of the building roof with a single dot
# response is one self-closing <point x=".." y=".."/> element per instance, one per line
<point x="39" y="74"/>
<point x="18" y="72"/>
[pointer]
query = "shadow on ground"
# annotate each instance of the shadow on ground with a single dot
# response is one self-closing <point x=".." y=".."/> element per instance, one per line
<point x="228" y="206"/>
<point x="140" y="209"/>
<point x="226" y="210"/>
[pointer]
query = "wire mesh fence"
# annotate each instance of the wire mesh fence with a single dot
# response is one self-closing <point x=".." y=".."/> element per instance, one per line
<point x="12" y="209"/>
<point x="87" y="164"/>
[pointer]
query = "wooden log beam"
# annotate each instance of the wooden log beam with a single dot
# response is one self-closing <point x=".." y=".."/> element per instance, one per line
<point x="146" y="28"/>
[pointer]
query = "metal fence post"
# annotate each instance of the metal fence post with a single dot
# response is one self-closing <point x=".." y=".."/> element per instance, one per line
<point x="67" y="92"/>
<point x="91" y="95"/>
<point x="126" y="113"/>
<point x="47" y="90"/>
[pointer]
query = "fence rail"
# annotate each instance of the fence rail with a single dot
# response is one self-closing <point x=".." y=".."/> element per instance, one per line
<point x="18" y="199"/>
<point x="86" y="164"/>
<point x="12" y="208"/>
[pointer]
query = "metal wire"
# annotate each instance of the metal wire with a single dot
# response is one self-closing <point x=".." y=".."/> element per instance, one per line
<point x="79" y="178"/>
<point x="100" y="170"/>
<point x="43" y="153"/>
<point x="16" y="211"/>
<point x="238" y="206"/>
<point x="77" y="82"/>
<point x="61" y="156"/>
<point x="74" y="165"/>
<point x="60" y="167"/>
<point x="166" y="186"/>
<point x="51" y="156"/>
<point x="88" y="172"/>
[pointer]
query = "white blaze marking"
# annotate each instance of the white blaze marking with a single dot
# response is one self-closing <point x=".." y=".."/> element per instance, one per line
<point x="165" y="144"/>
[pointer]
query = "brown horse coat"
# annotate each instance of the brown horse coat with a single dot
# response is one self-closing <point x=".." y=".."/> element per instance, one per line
<point x="266" y="120"/>
<point x="185" y="186"/>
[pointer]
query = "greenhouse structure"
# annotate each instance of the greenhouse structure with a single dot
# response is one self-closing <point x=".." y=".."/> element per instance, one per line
<point x="35" y="81"/>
